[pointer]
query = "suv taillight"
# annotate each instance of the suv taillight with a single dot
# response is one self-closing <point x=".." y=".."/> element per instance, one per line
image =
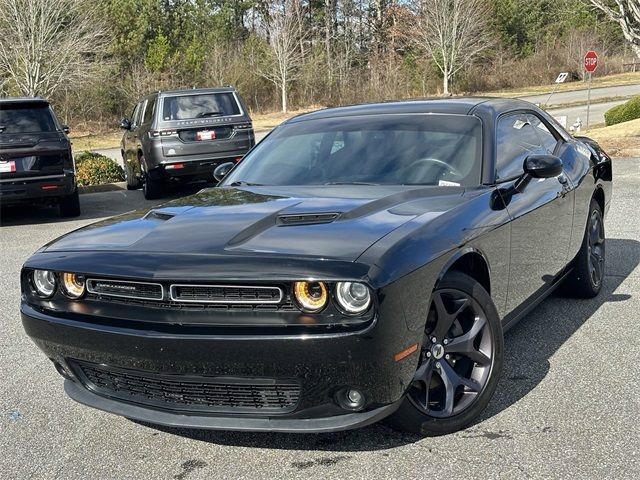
<point x="162" y="133"/>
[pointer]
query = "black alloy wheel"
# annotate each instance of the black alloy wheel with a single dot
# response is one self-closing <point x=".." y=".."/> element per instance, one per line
<point x="588" y="268"/>
<point x="596" y="247"/>
<point x="460" y="360"/>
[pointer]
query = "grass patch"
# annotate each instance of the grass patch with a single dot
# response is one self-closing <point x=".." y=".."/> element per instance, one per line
<point x="596" y="82"/>
<point x="82" y="143"/>
<point x="621" y="140"/>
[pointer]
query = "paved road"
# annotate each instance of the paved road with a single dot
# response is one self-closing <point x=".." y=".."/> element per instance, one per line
<point x="596" y="113"/>
<point x="562" y="98"/>
<point x="566" y="407"/>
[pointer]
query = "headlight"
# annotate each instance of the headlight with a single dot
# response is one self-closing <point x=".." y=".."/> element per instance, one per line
<point x="353" y="298"/>
<point x="44" y="282"/>
<point x="311" y="296"/>
<point x="72" y="285"/>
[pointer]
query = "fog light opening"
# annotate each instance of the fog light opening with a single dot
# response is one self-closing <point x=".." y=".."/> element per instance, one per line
<point x="350" y="399"/>
<point x="62" y="371"/>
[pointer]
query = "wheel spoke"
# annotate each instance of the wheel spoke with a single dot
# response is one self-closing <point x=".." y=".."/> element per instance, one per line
<point x="444" y="318"/>
<point x="464" y="344"/>
<point x="450" y="380"/>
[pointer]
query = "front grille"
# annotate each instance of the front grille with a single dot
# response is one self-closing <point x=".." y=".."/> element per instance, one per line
<point x="125" y="288"/>
<point x="226" y="294"/>
<point x="190" y="393"/>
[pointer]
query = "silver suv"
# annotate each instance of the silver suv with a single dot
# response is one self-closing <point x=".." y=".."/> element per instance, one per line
<point x="182" y="136"/>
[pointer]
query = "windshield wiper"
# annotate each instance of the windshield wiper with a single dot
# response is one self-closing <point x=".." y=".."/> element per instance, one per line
<point x="208" y="114"/>
<point x="351" y="183"/>
<point x="242" y="183"/>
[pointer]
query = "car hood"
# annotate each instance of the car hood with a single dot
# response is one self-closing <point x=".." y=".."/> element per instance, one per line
<point x="332" y="222"/>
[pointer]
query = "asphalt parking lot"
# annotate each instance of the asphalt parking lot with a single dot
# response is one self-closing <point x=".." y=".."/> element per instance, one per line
<point x="568" y="405"/>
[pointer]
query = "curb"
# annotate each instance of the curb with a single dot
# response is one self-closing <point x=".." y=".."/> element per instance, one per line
<point x="105" y="187"/>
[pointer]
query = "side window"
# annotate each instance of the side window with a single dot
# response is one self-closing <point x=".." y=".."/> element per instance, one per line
<point x="547" y="139"/>
<point x="134" y="115"/>
<point x="149" y="111"/>
<point x="138" y="117"/>
<point x="516" y="139"/>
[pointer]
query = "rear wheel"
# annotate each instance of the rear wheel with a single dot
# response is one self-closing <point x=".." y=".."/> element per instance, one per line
<point x="460" y="360"/>
<point x="587" y="276"/>
<point x="70" y="205"/>
<point x="151" y="188"/>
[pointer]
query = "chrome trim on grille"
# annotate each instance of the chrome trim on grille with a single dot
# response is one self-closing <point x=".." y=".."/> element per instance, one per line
<point x="90" y="288"/>
<point x="225" y="300"/>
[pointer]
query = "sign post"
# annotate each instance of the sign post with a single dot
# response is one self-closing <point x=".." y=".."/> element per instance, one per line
<point x="590" y="65"/>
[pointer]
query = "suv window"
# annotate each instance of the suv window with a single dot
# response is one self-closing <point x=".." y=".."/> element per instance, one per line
<point x="26" y="119"/>
<point x="149" y="111"/>
<point x="138" y="118"/>
<point x="201" y="105"/>
<point x="516" y="139"/>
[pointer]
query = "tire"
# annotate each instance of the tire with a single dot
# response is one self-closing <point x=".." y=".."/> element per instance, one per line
<point x="70" y="205"/>
<point x="587" y="276"/>
<point x="457" y="365"/>
<point x="151" y="188"/>
<point x="133" y="183"/>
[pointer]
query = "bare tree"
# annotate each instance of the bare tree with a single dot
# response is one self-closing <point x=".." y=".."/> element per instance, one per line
<point x="627" y="14"/>
<point x="452" y="32"/>
<point x="284" y="58"/>
<point x="47" y="44"/>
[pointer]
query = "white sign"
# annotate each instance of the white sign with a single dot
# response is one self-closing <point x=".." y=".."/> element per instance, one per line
<point x="562" y="77"/>
<point x="562" y="120"/>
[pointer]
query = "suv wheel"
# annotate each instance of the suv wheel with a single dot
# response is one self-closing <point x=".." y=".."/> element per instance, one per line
<point x="70" y="205"/>
<point x="150" y="188"/>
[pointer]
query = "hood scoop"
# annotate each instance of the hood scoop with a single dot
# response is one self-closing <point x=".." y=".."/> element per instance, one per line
<point x="158" y="215"/>
<point x="306" y="218"/>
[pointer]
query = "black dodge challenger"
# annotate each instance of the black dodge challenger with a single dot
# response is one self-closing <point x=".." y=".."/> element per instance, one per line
<point x="359" y="263"/>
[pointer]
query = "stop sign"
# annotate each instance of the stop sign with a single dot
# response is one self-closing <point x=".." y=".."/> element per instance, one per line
<point x="591" y="61"/>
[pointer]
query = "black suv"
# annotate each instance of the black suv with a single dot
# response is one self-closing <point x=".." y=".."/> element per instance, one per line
<point x="183" y="135"/>
<point x="36" y="164"/>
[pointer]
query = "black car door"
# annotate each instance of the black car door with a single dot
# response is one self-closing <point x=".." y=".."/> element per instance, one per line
<point x="541" y="216"/>
<point x="129" y="140"/>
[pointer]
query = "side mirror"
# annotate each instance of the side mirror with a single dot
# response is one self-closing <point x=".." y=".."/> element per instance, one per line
<point x="538" y="166"/>
<point x="66" y="129"/>
<point x="125" y="124"/>
<point x="542" y="166"/>
<point x="221" y="170"/>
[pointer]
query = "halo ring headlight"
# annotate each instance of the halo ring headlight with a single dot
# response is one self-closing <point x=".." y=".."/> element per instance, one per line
<point x="311" y="297"/>
<point x="44" y="282"/>
<point x="73" y="285"/>
<point x="353" y="298"/>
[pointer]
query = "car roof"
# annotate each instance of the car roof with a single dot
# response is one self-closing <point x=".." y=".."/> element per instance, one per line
<point x="192" y="91"/>
<point x="454" y="105"/>
<point x="24" y="100"/>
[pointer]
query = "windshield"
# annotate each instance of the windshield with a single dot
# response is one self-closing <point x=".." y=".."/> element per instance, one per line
<point x="188" y="107"/>
<point x="26" y="119"/>
<point x="413" y="149"/>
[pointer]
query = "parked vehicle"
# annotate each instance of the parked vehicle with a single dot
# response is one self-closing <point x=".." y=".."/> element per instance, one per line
<point x="359" y="263"/>
<point x="182" y="136"/>
<point x="36" y="164"/>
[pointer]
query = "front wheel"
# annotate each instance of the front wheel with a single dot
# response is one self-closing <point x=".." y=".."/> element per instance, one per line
<point x="460" y="360"/>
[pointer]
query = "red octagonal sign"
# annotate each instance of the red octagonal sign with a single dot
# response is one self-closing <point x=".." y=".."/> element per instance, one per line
<point x="591" y="61"/>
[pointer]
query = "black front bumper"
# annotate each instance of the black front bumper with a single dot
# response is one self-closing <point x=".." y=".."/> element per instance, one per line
<point x="49" y="187"/>
<point x="322" y="364"/>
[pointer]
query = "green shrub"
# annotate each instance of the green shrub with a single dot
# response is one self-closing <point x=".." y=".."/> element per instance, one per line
<point x="629" y="110"/>
<point x="95" y="169"/>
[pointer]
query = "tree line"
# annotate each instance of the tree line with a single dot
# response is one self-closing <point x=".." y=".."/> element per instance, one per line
<point x="95" y="58"/>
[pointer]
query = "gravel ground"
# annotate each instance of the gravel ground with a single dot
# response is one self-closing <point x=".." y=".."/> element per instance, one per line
<point x="567" y="405"/>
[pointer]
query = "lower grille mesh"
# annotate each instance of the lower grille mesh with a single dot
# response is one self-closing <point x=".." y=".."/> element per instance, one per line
<point x="198" y="394"/>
